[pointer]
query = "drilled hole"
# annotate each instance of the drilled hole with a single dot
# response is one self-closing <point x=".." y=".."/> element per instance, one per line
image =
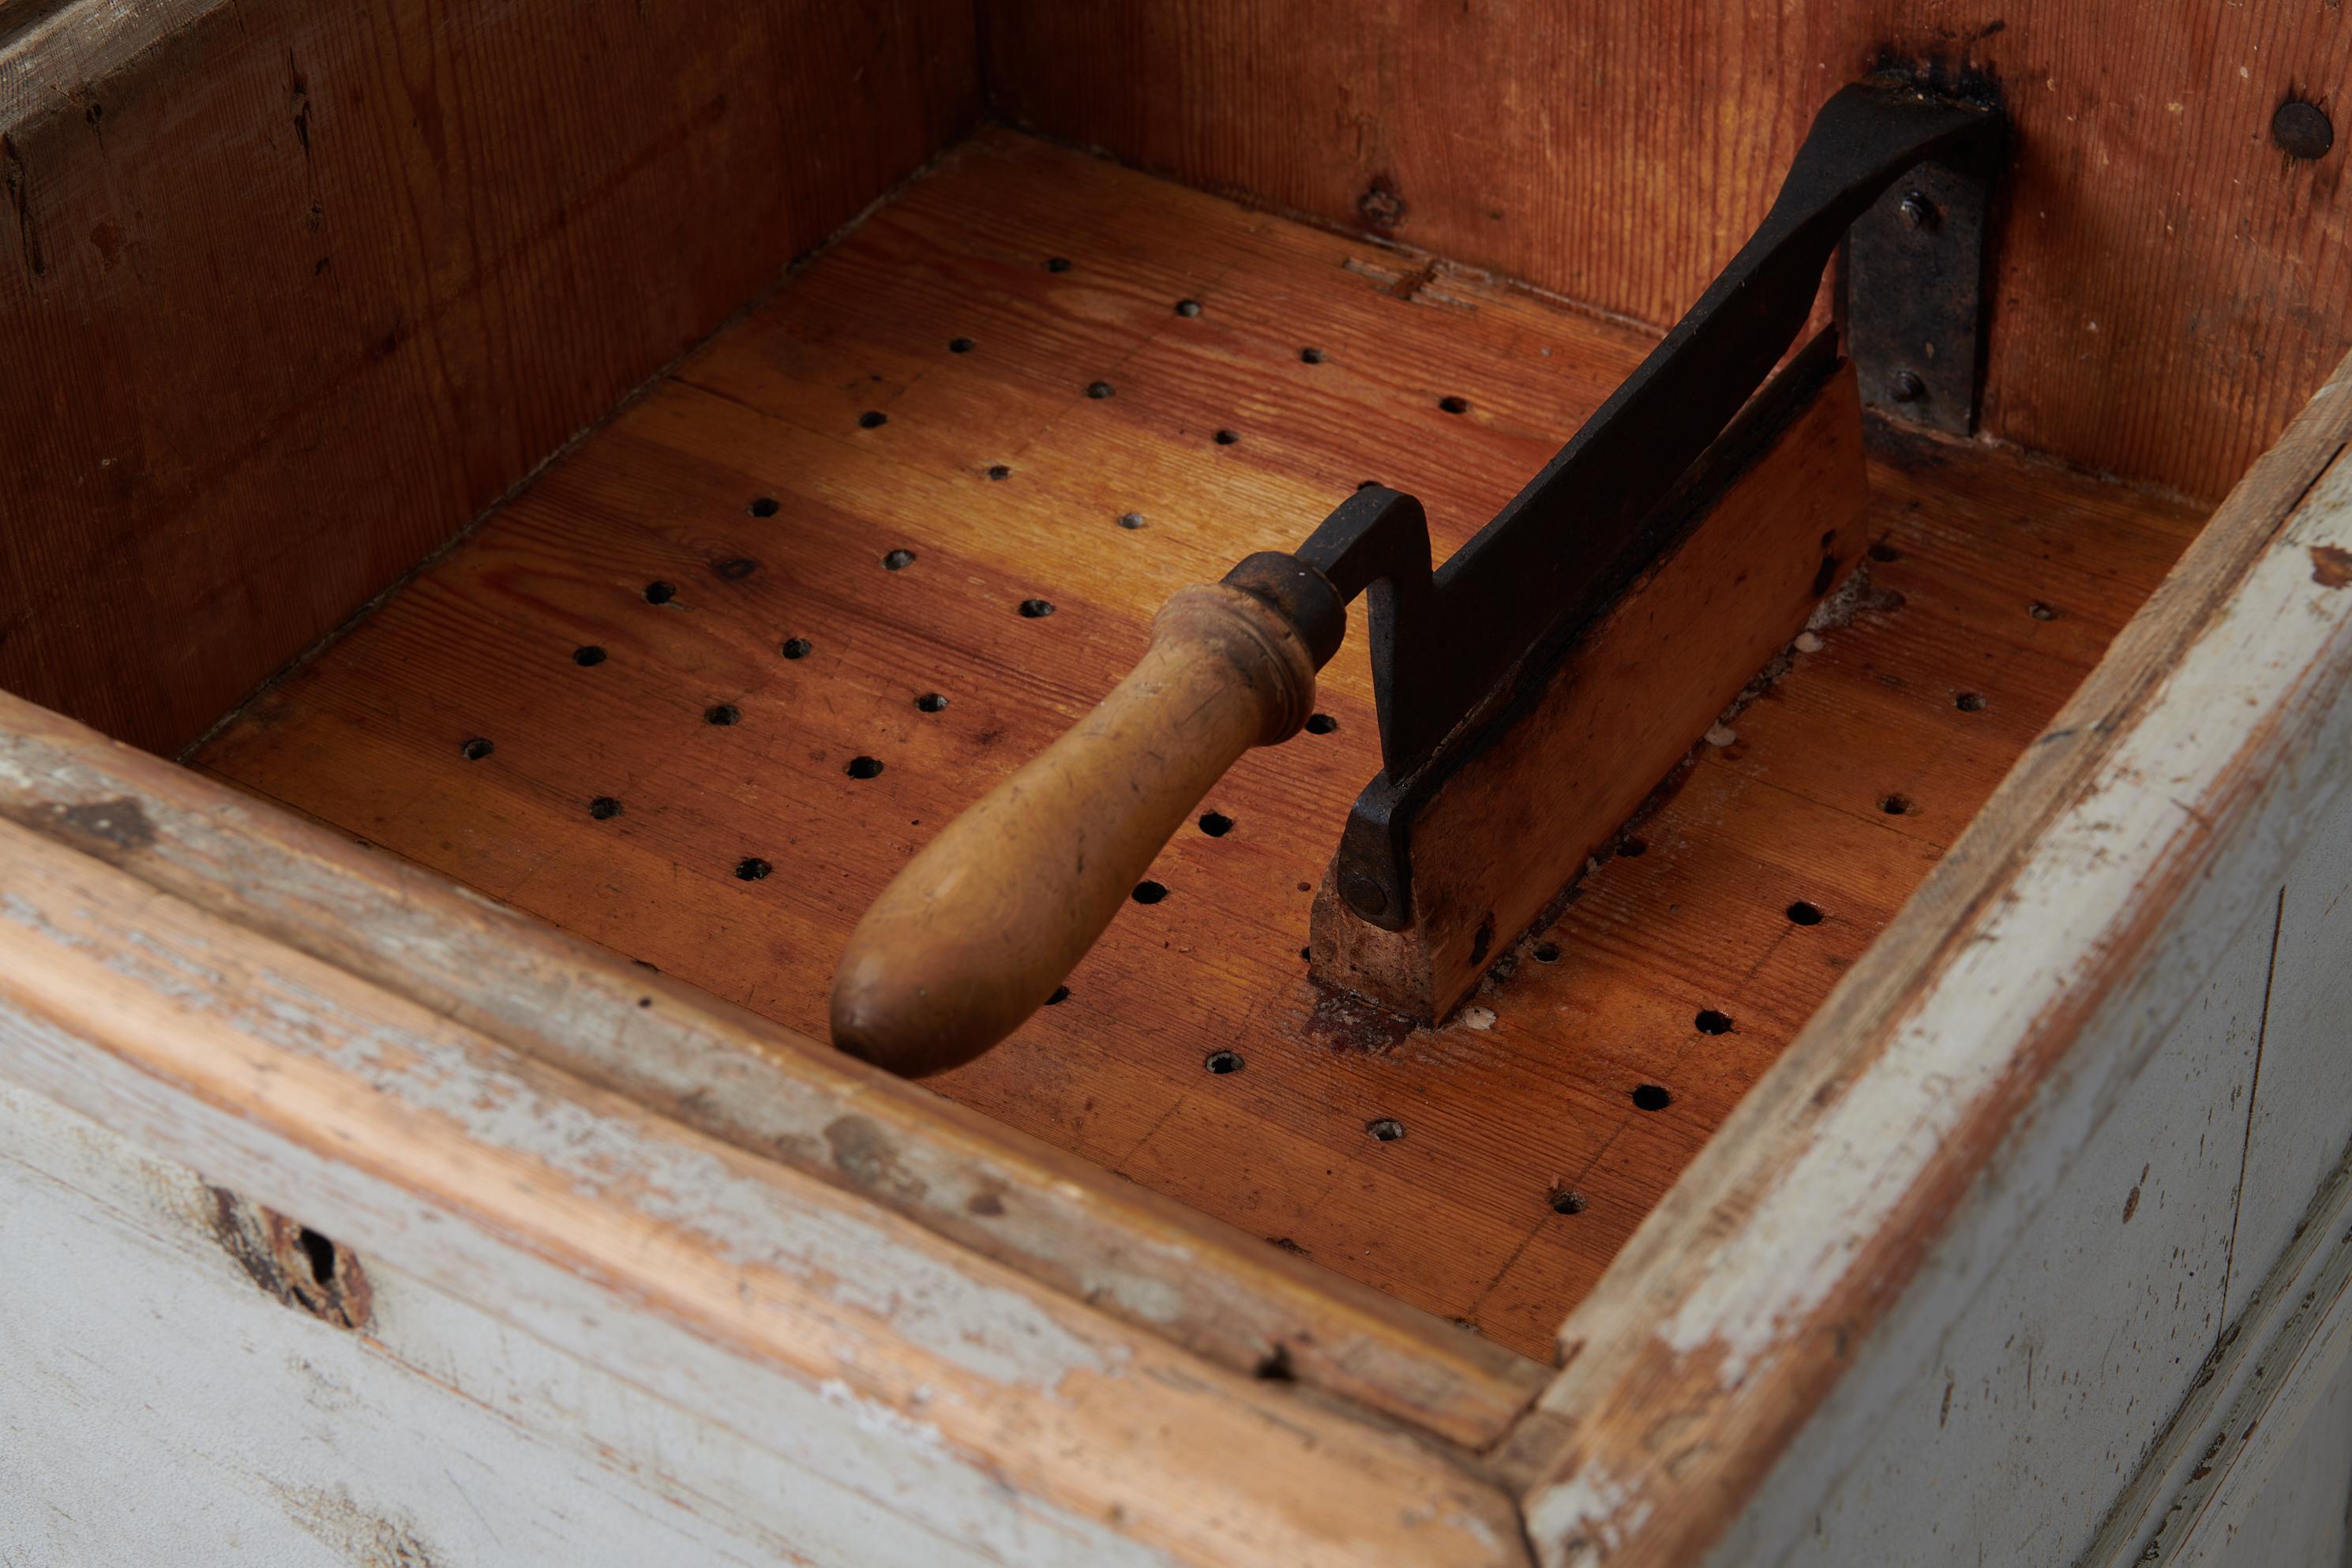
<point x="1274" y="1366"/>
<point x="604" y="808"/>
<point x="798" y="647"/>
<point x="585" y="656"/>
<point x="1711" y="1022"/>
<point x="898" y="560"/>
<point x="1454" y="404"/>
<point x="1387" y="1129"/>
<point x="1321" y="723"/>
<point x="999" y="471"/>
<point x="930" y="702"/>
<point x="1188" y="306"/>
<point x="1098" y="389"/>
<point x="1222" y="1062"/>
<point x="1634" y="847"/>
<point x="1310" y="356"/>
<point x="2040" y="612"/>
<point x="959" y="345"/>
<point x="872" y="419"/>
<point x="659" y="592"/>
<point x="1216" y="824"/>
<point x="722" y="713"/>
<point x="1804" y="914"/>
<point x="1131" y="520"/>
<point x="475" y="749"/>
<point x="1882" y="551"/>
<point x="1149" y="892"/>
<point x="1563" y="1200"/>
<point x="1227" y="438"/>
<point x="863" y="767"/>
<point x="1969" y="702"/>
<point x="1037" y="609"/>
<point x="735" y="568"/>
<point x="1650" y="1097"/>
<point x="762" y="505"/>
<point x="1896" y="806"/>
<point x="750" y="868"/>
<point x="1060" y="994"/>
<point x="1058" y="264"/>
<point x="1546" y="953"/>
<point x="321" y="1252"/>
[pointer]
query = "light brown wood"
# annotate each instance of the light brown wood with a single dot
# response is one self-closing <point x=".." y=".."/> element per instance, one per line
<point x="981" y="927"/>
<point x="289" y="293"/>
<point x="733" y="1075"/>
<point x="2169" y="287"/>
<point x="1502" y="1123"/>
<point x="1496" y="849"/>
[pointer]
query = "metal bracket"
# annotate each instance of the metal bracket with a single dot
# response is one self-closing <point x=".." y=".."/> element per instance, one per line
<point x="1452" y="651"/>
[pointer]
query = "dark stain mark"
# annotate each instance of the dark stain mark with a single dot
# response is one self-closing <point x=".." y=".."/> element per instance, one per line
<point x="2331" y="565"/>
<point x="298" y="92"/>
<point x="1288" y="1245"/>
<point x="988" y="1203"/>
<point x="1946" y="1413"/>
<point x="735" y="568"/>
<point x="301" y="1267"/>
<point x="1483" y="940"/>
<point x="1343" y="1021"/>
<point x="1383" y="205"/>
<point x="20" y="197"/>
<point x="107" y="829"/>
<point x="2131" y="1204"/>
<point x="864" y="1152"/>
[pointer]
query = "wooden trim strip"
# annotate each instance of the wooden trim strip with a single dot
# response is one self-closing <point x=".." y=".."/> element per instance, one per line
<point x="1660" y="1432"/>
<point x="1141" y="1258"/>
<point x="951" y="1355"/>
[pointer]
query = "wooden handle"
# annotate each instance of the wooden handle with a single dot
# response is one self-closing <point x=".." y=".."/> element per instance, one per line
<point x="977" y="930"/>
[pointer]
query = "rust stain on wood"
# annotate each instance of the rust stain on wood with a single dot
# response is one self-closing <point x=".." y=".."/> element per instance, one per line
<point x="2331" y="565"/>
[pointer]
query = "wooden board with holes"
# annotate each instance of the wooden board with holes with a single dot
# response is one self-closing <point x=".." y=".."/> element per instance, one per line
<point x="964" y="456"/>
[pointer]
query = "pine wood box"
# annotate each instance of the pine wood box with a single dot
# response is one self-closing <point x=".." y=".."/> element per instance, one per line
<point x="520" y="518"/>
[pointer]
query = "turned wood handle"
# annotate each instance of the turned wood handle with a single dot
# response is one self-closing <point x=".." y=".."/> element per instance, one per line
<point x="977" y="930"/>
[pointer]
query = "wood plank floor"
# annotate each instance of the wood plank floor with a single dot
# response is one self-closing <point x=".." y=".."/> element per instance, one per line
<point x="679" y="643"/>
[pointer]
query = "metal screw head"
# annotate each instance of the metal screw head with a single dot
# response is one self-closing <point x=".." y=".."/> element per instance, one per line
<point x="2302" y="130"/>
<point x="1905" y="386"/>
<point x="1917" y="210"/>
<point x="1363" y="895"/>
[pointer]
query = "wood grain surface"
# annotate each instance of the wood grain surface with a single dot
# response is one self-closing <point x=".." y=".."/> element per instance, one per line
<point x="755" y="489"/>
<point x="2171" y="284"/>
<point x="289" y="293"/>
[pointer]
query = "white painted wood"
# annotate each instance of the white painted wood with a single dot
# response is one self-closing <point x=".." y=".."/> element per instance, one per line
<point x="2298" y="1520"/>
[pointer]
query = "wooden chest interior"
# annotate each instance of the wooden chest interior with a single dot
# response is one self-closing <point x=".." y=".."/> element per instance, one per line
<point x="661" y="506"/>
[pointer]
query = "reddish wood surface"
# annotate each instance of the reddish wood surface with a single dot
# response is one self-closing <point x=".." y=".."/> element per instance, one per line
<point x="1456" y="1215"/>
<point x="2172" y="286"/>
<point x="289" y="293"/>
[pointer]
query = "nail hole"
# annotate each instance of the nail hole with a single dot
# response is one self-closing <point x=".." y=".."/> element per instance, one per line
<point x="1058" y="264"/>
<point x="1563" y="1200"/>
<point x="872" y="419"/>
<point x="1216" y="824"/>
<point x="1227" y="438"/>
<point x="1882" y="551"/>
<point x="1634" y="847"/>
<point x="763" y="506"/>
<point x="321" y="1252"/>
<point x="1037" y="609"/>
<point x="659" y="592"/>
<point x="1308" y="953"/>
<point x="1387" y="1129"/>
<point x="863" y="767"/>
<point x="1149" y="892"/>
<point x="735" y="568"/>
<point x="1222" y="1062"/>
<point x="1321" y="723"/>
<point x="930" y="702"/>
<point x="721" y="713"/>
<point x="1546" y="953"/>
<point x="1711" y="1022"/>
<point x="1804" y="914"/>
<point x="798" y="647"/>
<point x="959" y="345"/>
<point x="1274" y="1366"/>
<point x="585" y="656"/>
<point x="898" y="560"/>
<point x="1896" y="804"/>
<point x="1060" y="994"/>
<point x="1310" y="356"/>
<point x="750" y="868"/>
<point x="1188" y="306"/>
<point x="999" y="471"/>
<point x="1098" y="389"/>
<point x="1969" y="702"/>
<point x="2040" y="612"/>
<point x="604" y="808"/>
<point x="1454" y="404"/>
<point x="475" y="749"/>
<point x="1650" y="1097"/>
<point x="1131" y="520"/>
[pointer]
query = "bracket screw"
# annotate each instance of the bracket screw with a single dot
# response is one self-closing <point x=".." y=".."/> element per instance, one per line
<point x="1363" y="895"/>
<point x="2302" y="130"/>
<point x="1917" y="211"/>
<point x="1905" y="386"/>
